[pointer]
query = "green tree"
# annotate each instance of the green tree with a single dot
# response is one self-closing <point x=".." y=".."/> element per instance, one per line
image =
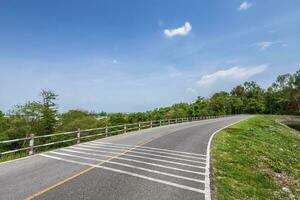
<point x="74" y="119"/>
<point x="49" y="111"/>
<point x="117" y="118"/>
<point x="294" y="84"/>
<point x="220" y="103"/>
<point x="237" y="105"/>
<point x="201" y="107"/>
<point x="254" y="98"/>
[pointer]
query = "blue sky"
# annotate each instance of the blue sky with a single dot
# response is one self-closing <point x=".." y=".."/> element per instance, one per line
<point x="136" y="55"/>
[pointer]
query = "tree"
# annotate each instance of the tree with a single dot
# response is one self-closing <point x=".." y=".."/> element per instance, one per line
<point x="201" y="107"/>
<point x="237" y="105"/>
<point x="254" y="98"/>
<point x="117" y="118"/>
<point x="49" y="111"/>
<point x="294" y="84"/>
<point x="220" y="103"/>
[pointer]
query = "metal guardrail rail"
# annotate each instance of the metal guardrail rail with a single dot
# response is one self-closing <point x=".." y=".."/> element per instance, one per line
<point x="104" y="131"/>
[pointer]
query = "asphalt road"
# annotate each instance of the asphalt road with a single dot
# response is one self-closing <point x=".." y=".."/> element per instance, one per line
<point x="166" y="162"/>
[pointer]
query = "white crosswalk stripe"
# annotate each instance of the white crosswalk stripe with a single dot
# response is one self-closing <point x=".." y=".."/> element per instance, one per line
<point x="152" y="151"/>
<point x="139" y="162"/>
<point x="136" y="156"/>
<point x="143" y="153"/>
<point x="128" y="173"/>
<point x="126" y="165"/>
<point x="146" y="147"/>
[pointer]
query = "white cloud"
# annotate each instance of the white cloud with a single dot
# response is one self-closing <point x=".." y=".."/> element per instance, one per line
<point x="245" y="6"/>
<point x="231" y="74"/>
<point x="192" y="91"/>
<point x="266" y="44"/>
<point x="182" y="31"/>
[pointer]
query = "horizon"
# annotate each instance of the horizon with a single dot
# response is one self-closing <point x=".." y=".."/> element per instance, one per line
<point x="134" y="57"/>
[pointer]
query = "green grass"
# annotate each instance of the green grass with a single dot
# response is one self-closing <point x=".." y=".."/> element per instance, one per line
<point x="255" y="159"/>
<point x="13" y="156"/>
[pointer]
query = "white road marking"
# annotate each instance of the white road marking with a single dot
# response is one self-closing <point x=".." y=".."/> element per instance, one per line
<point x="150" y="154"/>
<point x="207" y="169"/>
<point x="136" y="156"/>
<point x="147" y="150"/>
<point x="128" y="173"/>
<point x="138" y="161"/>
<point x="146" y="147"/>
<point x="130" y="166"/>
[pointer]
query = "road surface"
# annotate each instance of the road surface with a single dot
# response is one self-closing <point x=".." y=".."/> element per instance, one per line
<point x="168" y="162"/>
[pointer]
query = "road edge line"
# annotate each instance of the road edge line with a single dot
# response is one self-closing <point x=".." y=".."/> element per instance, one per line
<point x="207" y="188"/>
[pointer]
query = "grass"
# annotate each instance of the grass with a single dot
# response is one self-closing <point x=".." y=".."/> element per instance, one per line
<point x="13" y="156"/>
<point x="256" y="159"/>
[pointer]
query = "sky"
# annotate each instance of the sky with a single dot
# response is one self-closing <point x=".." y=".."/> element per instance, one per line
<point x="136" y="55"/>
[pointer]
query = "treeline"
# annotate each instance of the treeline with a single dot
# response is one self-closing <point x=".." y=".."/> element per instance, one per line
<point x="42" y="117"/>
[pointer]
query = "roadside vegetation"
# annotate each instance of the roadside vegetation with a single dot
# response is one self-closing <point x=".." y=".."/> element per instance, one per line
<point x="257" y="159"/>
<point x="42" y="117"/>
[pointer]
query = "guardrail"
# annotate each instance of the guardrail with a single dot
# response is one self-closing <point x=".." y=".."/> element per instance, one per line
<point x="102" y="131"/>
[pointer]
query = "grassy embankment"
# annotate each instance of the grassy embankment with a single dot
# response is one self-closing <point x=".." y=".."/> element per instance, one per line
<point x="256" y="159"/>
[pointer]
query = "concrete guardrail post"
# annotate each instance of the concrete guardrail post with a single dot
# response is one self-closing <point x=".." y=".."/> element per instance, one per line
<point x="106" y="131"/>
<point x="78" y="135"/>
<point x="31" y="144"/>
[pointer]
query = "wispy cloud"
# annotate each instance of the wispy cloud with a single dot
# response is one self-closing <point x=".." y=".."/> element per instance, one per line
<point x="234" y="73"/>
<point x="192" y="91"/>
<point x="266" y="44"/>
<point x="245" y="6"/>
<point x="181" y="31"/>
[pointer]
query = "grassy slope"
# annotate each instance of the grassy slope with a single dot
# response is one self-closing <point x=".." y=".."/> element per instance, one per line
<point x="255" y="159"/>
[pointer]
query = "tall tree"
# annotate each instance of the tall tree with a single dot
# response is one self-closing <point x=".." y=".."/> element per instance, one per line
<point x="295" y="88"/>
<point x="49" y="111"/>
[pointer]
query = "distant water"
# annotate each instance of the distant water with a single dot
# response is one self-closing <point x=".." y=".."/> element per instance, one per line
<point x="294" y="126"/>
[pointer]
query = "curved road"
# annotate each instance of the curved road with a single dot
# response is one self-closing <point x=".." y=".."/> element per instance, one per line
<point x="168" y="162"/>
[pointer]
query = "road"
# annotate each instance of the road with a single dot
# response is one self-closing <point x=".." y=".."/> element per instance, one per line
<point x="168" y="162"/>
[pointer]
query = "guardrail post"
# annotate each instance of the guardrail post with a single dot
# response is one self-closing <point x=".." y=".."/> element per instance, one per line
<point x="176" y="121"/>
<point x="139" y="126"/>
<point x="160" y="122"/>
<point x="151" y="124"/>
<point x="31" y="144"/>
<point x="125" y="128"/>
<point x="106" y="131"/>
<point x="78" y="136"/>
<point x="169" y="122"/>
